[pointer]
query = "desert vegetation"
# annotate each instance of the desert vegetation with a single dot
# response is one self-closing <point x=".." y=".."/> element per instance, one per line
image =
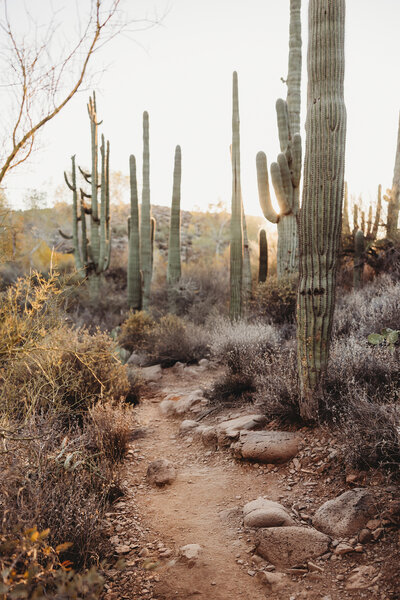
<point x="298" y="323"/>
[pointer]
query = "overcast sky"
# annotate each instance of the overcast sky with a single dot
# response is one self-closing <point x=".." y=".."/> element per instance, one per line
<point x="181" y="73"/>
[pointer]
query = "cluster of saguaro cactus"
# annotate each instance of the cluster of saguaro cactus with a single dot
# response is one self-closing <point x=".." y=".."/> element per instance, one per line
<point x="262" y="256"/>
<point x="236" y="245"/>
<point x="286" y="172"/>
<point x="321" y="212"/>
<point x="92" y="257"/>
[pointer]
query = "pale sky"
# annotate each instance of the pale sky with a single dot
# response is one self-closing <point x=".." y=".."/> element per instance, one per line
<point x="181" y="73"/>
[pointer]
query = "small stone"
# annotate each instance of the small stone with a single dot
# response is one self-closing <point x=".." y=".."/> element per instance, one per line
<point x="343" y="548"/>
<point x="160" y="472"/>
<point x="190" y="551"/>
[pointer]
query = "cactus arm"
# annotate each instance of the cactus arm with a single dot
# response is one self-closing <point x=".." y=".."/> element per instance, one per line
<point x="294" y="67"/>
<point x="145" y="225"/>
<point x="282" y="116"/>
<point x="263" y="189"/>
<point x="369" y="222"/>
<point x="108" y="219"/>
<point x="134" y="275"/>
<point x="355" y="218"/>
<point x="286" y="179"/>
<point x="236" y="245"/>
<point x="174" y="247"/>
<point x="263" y="256"/>
<point x="102" y="255"/>
<point x="71" y="187"/>
<point x="86" y="176"/>
<point x="276" y="176"/>
<point x="363" y="222"/>
<point x="320" y="214"/>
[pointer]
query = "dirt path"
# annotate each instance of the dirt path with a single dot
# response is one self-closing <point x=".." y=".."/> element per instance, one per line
<point x="203" y="506"/>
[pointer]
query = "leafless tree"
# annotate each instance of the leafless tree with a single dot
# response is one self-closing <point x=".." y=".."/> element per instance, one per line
<point x="42" y="67"/>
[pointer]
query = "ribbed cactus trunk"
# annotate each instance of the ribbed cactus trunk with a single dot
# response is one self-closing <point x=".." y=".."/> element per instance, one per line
<point x="246" y="275"/>
<point x="321" y="212"/>
<point x="134" y="276"/>
<point x="377" y="220"/>
<point x="263" y="256"/>
<point x="293" y="97"/>
<point x="394" y="197"/>
<point x="345" y="216"/>
<point x="236" y="245"/>
<point x="94" y="221"/>
<point x="145" y="223"/>
<point x="152" y="240"/>
<point x="359" y="259"/>
<point x="75" y="217"/>
<point x="174" y="248"/>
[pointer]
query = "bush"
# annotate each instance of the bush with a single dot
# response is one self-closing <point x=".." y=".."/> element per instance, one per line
<point x="108" y="432"/>
<point x="275" y="300"/>
<point x="231" y="388"/>
<point x="135" y="331"/>
<point x="174" y="340"/>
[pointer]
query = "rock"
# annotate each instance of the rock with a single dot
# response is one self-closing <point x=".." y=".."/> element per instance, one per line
<point x="247" y="422"/>
<point x="136" y="359"/>
<point x="178" y="368"/>
<point x="188" y="425"/>
<point x="361" y="578"/>
<point x="276" y="581"/>
<point x="123" y="549"/>
<point x="190" y="551"/>
<point x="179" y="405"/>
<point x="204" y="362"/>
<point x="160" y="472"/>
<point x="266" y="513"/>
<point x="346" y="514"/>
<point x="343" y="548"/>
<point x="209" y="437"/>
<point x="267" y="446"/>
<point x="153" y="373"/>
<point x="290" y="546"/>
<point x="365" y="536"/>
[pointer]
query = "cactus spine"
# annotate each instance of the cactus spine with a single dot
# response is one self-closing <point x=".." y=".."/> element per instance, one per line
<point x="320" y="214"/>
<point x="359" y="259"/>
<point x="286" y="172"/>
<point x="174" y="248"/>
<point x="263" y="256"/>
<point x="134" y="276"/>
<point x="394" y="196"/>
<point x="145" y="223"/>
<point x="236" y="245"/>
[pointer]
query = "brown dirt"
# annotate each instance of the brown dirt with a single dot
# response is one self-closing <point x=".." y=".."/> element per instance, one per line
<point x="203" y="506"/>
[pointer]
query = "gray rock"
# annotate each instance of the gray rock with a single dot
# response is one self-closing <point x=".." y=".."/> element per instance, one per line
<point x="137" y="360"/>
<point x="346" y="514"/>
<point x="266" y="513"/>
<point x="153" y="373"/>
<point x="188" y="425"/>
<point x="179" y="405"/>
<point x="160" y="472"/>
<point x="247" y="422"/>
<point x="267" y="446"/>
<point x="204" y="362"/>
<point x="209" y="437"/>
<point x="178" y="368"/>
<point x="290" y="546"/>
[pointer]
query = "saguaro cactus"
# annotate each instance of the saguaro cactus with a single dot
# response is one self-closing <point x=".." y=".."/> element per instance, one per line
<point x="75" y="218"/>
<point x="394" y="196"/>
<point x="285" y="173"/>
<point x="263" y="256"/>
<point x="145" y="222"/>
<point x="134" y="275"/>
<point x="359" y="259"/>
<point x="236" y="246"/>
<point x="174" y="247"/>
<point x="321" y="211"/>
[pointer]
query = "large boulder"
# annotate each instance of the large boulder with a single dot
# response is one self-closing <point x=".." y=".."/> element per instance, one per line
<point x="290" y="546"/>
<point x="345" y="515"/>
<point x="160" y="472"/>
<point x="267" y="446"/>
<point x="181" y="404"/>
<point x="266" y="513"/>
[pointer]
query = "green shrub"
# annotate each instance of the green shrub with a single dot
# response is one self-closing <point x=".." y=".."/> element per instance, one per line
<point x="135" y="331"/>
<point x="276" y="300"/>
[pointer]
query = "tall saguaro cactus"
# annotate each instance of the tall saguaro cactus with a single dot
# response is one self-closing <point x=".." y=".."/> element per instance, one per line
<point x="134" y="275"/>
<point x="75" y="218"/>
<point x="286" y="172"/>
<point x="236" y="246"/>
<point x="174" y="247"/>
<point x="358" y="269"/>
<point x="145" y="221"/>
<point x="320" y="215"/>
<point x="394" y="196"/>
<point x="263" y="256"/>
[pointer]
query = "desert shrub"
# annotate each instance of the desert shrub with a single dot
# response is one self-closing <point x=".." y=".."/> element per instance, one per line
<point x="135" y="331"/>
<point x="242" y="346"/>
<point x="175" y="340"/>
<point x="109" y="432"/>
<point x="31" y="568"/>
<point x="368" y="310"/>
<point x="275" y="300"/>
<point x="371" y="434"/>
<point x="231" y="388"/>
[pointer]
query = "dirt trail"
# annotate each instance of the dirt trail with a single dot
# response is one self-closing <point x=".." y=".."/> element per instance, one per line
<point x="201" y="507"/>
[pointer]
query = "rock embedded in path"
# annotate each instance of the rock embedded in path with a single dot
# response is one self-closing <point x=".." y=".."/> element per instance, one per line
<point x="175" y="404"/>
<point x="345" y="515"/>
<point x="274" y="447"/>
<point x="266" y="513"/>
<point x="153" y="373"/>
<point x="190" y="552"/>
<point x="160" y="472"/>
<point x="361" y="578"/>
<point x="290" y="546"/>
<point x="188" y="425"/>
<point x="136" y="360"/>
